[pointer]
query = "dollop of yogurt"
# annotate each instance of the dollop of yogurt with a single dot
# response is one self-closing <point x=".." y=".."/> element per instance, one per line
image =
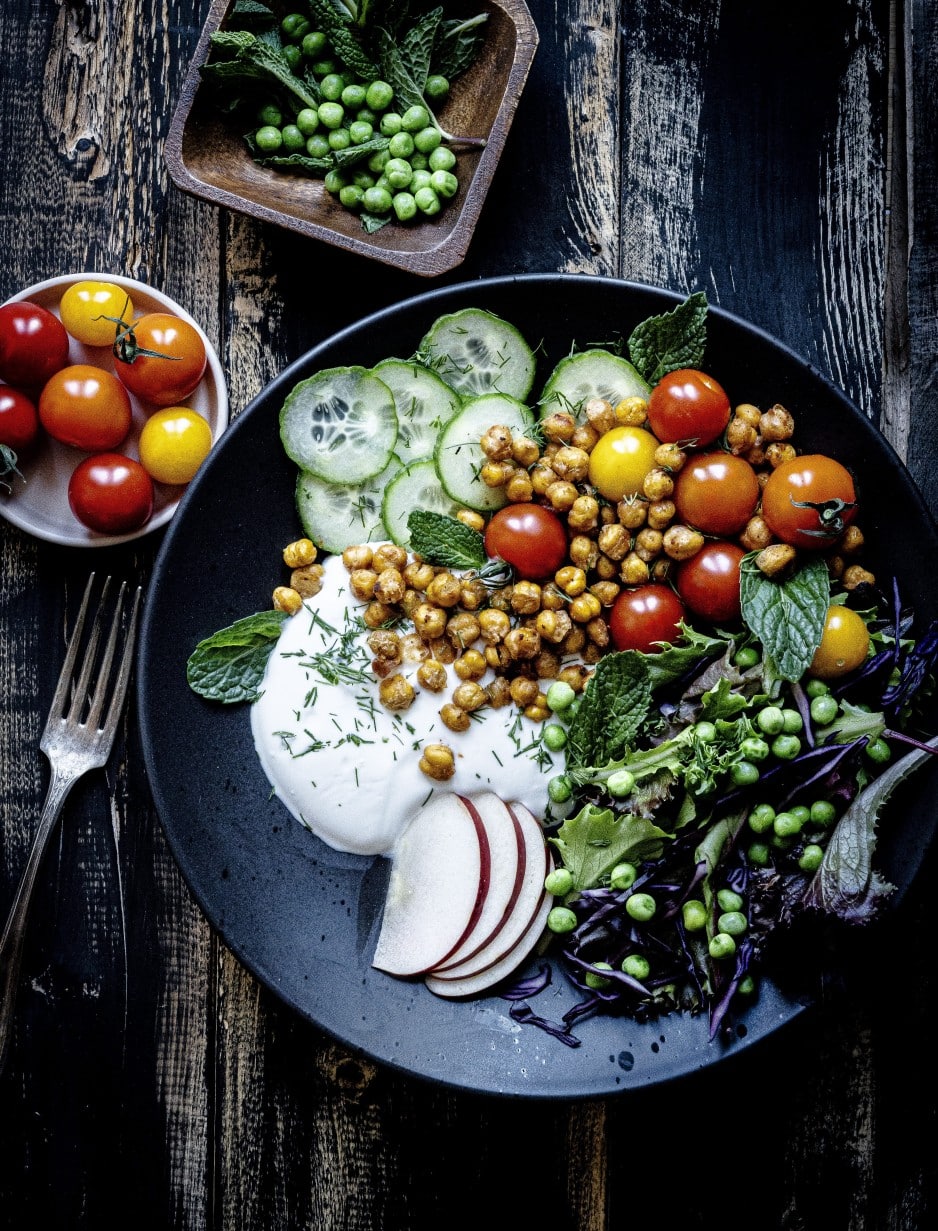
<point x="348" y="768"/>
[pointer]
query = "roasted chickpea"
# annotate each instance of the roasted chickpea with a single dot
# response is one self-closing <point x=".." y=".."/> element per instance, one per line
<point x="429" y="621"/>
<point x="681" y="542"/>
<point x="779" y="451"/>
<point x="600" y="415"/>
<point x="523" y="643"/>
<point x="775" y="559"/>
<point x="444" y="590"/>
<point x="558" y="427"/>
<point x="496" y="443"/>
<point x="748" y="414"/>
<point x="524" y="691"/>
<point x="285" y="598"/>
<point x="519" y="488"/>
<point x="584" y="607"/>
<point x="524" y="451"/>
<point x="561" y="494"/>
<point x="472" y="519"/>
<point x="455" y="718"/>
<point x="494" y="625"/>
<point x="584" y="437"/>
<point x="631" y="412"/>
<point x="583" y="513"/>
<point x="463" y="629"/>
<point x="776" y="424"/>
<point x="376" y="614"/>
<point x="855" y="576"/>
<point x="356" y="557"/>
<point x="670" y="457"/>
<point x="571" y="580"/>
<point x="648" y="543"/>
<point x="307" y="580"/>
<point x="553" y="626"/>
<point x="583" y="552"/>
<point x="418" y="574"/>
<point x="571" y="463"/>
<point x="388" y="555"/>
<point x="438" y="762"/>
<point x="471" y="665"/>
<point x="660" y="514"/>
<point x="755" y="535"/>
<point x="632" y="512"/>
<point x="498" y="692"/>
<point x="634" y="570"/>
<point x="614" y="541"/>
<point x="526" y="597"/>
<point x="740" y="435"/>
<point x="389" y="586"/>
<point x="469" y="696"/>
<point x="431" y="674"/>
<point x="542" y="476"/>
<point x="657" y="484"/>
<point x="396" y="693"/>
<point x="299" y="553"/>
<point x="385" y="643"/>
<point x="362" y="583"/>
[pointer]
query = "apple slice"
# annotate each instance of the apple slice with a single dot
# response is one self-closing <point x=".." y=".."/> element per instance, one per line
<point x="437" y="887"/>
<point x="508" y="849"/>
<point x="527" y="904"/>
<point x="482" y="980"/>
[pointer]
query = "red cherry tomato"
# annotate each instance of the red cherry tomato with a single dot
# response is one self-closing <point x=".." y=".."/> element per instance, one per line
<point x="716" y="493"/>
<point x="529" y="537"/>
<point x="688" y="405"/>
<point x="709" y="582"/>
<point x="111" y="493"/>
<point x="809" y="501"/>
<point x="162" y="359"/>
<point x="19" y="422"/>
<point x="33" y="344"/>
<point x="86" y="407"/>
<point x="642" y="617"/>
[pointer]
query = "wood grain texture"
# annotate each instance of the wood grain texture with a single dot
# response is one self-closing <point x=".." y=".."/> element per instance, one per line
<point x="779" y="156"/>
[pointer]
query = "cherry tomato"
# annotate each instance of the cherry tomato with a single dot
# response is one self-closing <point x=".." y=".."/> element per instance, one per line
<point x="529" y="537"/>
<point x="19" y="422"/>
<point x="688" y="405"/>
<point x="162" y="359"/>
<point x="90" y="310"/>
<point x="716" y="493"/>
<point x="845" y="642"/>
<point x="620" y="460"/>
<point x="174" y="443"/>
<point x="86" y="407"/>
<point x="642" y="617"/>
<point x="33" y="344"/>
<point x="709" y="582"/>
<point x="809" y="501"/>
<point x="111" y="493"/>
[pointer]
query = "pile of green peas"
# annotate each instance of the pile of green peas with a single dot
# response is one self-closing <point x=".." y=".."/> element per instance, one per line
<point x="413" y="176"/>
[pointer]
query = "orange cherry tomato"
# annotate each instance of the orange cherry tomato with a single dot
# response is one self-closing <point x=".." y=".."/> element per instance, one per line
<point x="809" y="501"/>
<point x="716" y="493"/>
<point x="844" y="645"/>
<point x="161" y="359"/>
<point x="86" y="407"/>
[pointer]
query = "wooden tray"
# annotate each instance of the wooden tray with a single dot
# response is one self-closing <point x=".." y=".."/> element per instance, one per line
<point x="210" y="159"/>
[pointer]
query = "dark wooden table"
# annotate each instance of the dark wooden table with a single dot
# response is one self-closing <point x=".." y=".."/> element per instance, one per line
<point x="779" y="156"/>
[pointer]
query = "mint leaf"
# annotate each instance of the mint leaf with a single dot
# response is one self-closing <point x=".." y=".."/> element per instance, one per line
<point x="676" y="339"/>
<point x="787" y="616"/>
<point x="416" y="47"/>
<point x="595" y="840"/>
<point x="612" y="708"/>
<point x="457" y="45"/>
<point x="252" y="60"/>
<point x="229" y="665"/>
<point x="445" y="541"/>
<point x="674" y="661"/>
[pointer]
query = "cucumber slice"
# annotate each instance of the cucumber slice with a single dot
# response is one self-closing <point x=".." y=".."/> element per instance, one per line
<point x="424" y="402"/>
<point x="590" y="374"/>
<point x="416" y="486"/>
<point x="477" y="352"/>
<point x="458" y="454"/>
<point x="338" y="515"/>
<point x="340" y="425"/>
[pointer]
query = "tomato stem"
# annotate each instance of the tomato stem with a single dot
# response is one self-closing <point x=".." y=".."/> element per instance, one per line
<point x="830" y="516"/>
<point x="126" y="348"/>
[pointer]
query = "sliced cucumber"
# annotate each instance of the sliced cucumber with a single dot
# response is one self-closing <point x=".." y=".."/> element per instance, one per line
<point x="416" y="486"/>
<point x="338" y="515"/>
<point x="340" y="425"/>
<point x="590" y="374"/>
<point x="477" y="352"/>
<point x="458" y="454"/>
<point x="424" y="402"/>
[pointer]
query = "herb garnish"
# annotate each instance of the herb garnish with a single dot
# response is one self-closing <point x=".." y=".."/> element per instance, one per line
<point x="229" y="665"/>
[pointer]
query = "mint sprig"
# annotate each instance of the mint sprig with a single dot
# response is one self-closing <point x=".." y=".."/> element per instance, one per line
<point x="612" y="709"/>
<point x="229" y="665"/>
<point x="676" y="339"/>
<point x="445" y="541"/>
<point x="787" y="616"/>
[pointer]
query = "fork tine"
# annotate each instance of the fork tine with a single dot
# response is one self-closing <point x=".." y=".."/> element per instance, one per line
<point x="60" y="697"/>
<point x="104" y="670"/>
<point x="80" y="691"/>
<point x="126" y="664"/>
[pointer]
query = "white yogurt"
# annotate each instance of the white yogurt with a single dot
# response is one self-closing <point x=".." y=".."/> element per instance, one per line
<point x="346" y="767"/>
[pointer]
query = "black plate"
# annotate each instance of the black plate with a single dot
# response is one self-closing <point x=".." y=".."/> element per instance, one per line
<point x="303" y="918"/>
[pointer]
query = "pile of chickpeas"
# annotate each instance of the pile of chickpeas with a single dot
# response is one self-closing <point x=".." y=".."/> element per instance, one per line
<point x="525" y="634"/>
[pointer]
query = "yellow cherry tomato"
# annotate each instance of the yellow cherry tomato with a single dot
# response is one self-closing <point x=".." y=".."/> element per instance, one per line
<point x="620" y="460"/>
<point x="844" y="644"/>
<point x="86" y="306"/>
<point x="174" y="443"/>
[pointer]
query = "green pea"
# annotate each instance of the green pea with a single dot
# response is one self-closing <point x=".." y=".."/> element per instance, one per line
<point x="746" y="986"/>
<point x="401" y="145"/>
<point x="331" y="87"/>
<point x="293" y="139"/>
<point x="817" y="688"/>
<point x="761" y="818"/>
<point x="339" y="139"/>
<point x="786" y="747"/>
<point x="746" y="656"/>
<point x="771" y="720"/>
<point x="363" y="179"/>
<point x="293" y="56"/>
<point x="313" y="44"/>
<point x="623" y="876"/>
<point x="322" y="68"/>
<point x="405" y="207"/>
<point x="560" y="788"/>
<point x="317" y="146"/>
<point x="559" y="694"/>
<point x="378" y="161"/>
<point x="353" y="96"/>
<point x="802" y="812"/>
<point x="754" y="749"/>
<point x="307" y="121"/>
<point x="268" y="139"/>
<point x="436" y="86"/>
<point x="553" y="736"/>
<point x="360" y="131"/>
<point x="811" y="857"/>
<point x="331" y="114"/>
<point x="377" y="200"/>
<point x="822" y="812"/>
<point x="378" y="96"/>
<point x="444" y="183"/>
<point x="620" y="784"/>
<point x="641" y="907"/>
<point x="334" y="181"/>
<point x="694" y="915"/>
<point x="878" y="751"/>
<point x="733" y="922"/>
<point x="270" y="114"/>
<point x="419" y="161"/>
<point x="559" y="882"/>
<point x="637" y="966"/>
<point x="594" y="979"/>
<point x="561" y="919"/>
<point x="351" y="196"/>
<point x="728" y="899"/>
<point x="792" y="722"/>
<point x="787" y="825"/>
<point x="441" y="159"/>
<point x="295" y="26"/>
<point x="705" y="732"/>
<point x="415" y="118"/>
<point x="427" y="139"/>
<point x="422" y="180"/>
<point x="744" y="773"/>
<point x="390" y="124"/>
<point x="722" y="946"/>
<point x="824" y="709"/>
<point x="427" y="201"/>
<point x="759" y="854"/>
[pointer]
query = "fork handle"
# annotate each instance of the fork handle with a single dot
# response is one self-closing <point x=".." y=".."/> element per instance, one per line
<point x="11" y="945"/>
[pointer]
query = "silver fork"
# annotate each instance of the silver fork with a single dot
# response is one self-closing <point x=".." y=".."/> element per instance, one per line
<point x="78" y="736"/>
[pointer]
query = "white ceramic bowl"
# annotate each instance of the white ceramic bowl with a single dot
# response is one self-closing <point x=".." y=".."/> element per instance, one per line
<point x="40" y="504"/>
